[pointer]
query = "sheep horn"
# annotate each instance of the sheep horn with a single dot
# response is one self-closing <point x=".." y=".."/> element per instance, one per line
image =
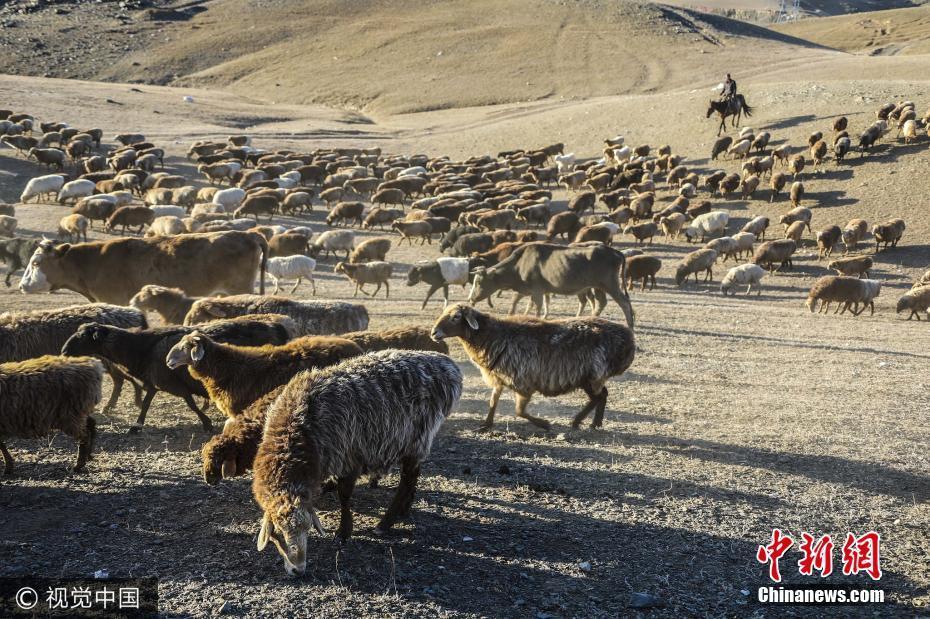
<point x="316" y="522"/>
<point x="229" y="468"/>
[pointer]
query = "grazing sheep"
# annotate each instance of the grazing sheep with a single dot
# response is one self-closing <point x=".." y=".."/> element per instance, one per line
<point x="888" y="233"/>
<point x="642" y="267"/>
<point x="739" y="150"/>
<point x="744" y="243"/>
<point x="75" y="190"/>
<point x="237" y="376"/>
<point x="694" y="263"/>
<point x="673" y="224"/>
<point x="782" y="153"/>
<point x="552" y="357"/>
<point x="796" y="193"/>
<point x="757" y="226"/>
<point x="73" y="227"/>
<point x="847" y="291"/>
<point x="399" y="401"/>
<point x="795" y="231"/>
<point x="855" y="265"/>
<point x="312" y="317"/>
<point x="258" y="204"/>
<point x="291" y="267"/>
<point x="725" y="247"/>
<point x="370" y="250"/>
<point x="730" y="183"/>
<point x="94" y="209"/>
<point x="439" y="273"/>
<point x="915" y="301"/>
<point x="168" y="211"/>
<point x="777" y="183"/>
<point x="40" y="186"/>
<point x="827" y="240"/>
<point x="854" y="232"/>
<point x="708" y="224"/>
<point x="333" y="241"/>
<point x="840" y="124"/>
<point x="46" y="394"/>
<point x="779" y="252"/>
<point x="346" y="211"/>
<point x="745" y="274"/>
<point x="48" y="157"/>
<point x="797" y="214"/>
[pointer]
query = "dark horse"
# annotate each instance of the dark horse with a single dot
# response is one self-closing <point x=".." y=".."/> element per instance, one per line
<point x="730" y="107"/>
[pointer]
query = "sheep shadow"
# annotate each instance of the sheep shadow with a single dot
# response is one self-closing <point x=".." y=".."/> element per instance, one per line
<point x="789" y="122"/>
<point x="829" y="199"/>
<point x="831" y="174"/>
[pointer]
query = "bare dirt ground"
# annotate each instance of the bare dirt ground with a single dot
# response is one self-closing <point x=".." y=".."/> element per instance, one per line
<point x="739" y="414"/>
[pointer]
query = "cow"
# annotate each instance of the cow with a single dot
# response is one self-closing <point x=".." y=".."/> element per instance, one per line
<point x="540" y="269"/>
<point x="114" y="271"/>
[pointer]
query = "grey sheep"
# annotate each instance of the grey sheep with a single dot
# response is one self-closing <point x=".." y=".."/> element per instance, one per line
<point x="552" y="357"/>
<point x="366" y="414"/>
<point x="312" y="317"/>
<point x="377" y="272"/>
<point x="694" y="263"/>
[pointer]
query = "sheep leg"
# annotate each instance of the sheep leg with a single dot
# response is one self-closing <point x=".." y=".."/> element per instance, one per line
<point x="297" y="283"/>
<point x="312" y="285"/>
<point x="387" y="290"/>
<point x="207" y="424"/>
<point x="513" y="306"/>
<point x="598" y="420"/>
<point x="521" y="404"/>
<point x="403" y="498"/>
<point x="146" y="403"/>
<point x="86" y="445"/>
<point x="492" y="408"/>
<point x="345" y="486"/>
<point x="592" y="402"/>
<point x="275" y="280"/>
<point x="431" y="291"/>
<point x="7" y="459"/>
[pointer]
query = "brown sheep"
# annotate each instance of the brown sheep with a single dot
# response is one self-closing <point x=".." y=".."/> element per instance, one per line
<point x="915" y="300"/>
<point x="856" y="265"/>
<point x="642" y="232"/>
<point x="377" y="272"/>
<point x="827" y="240"/>
<point x="854" y="232"/>
<point x="346" y="211"/>
<point x="642" y="267"/>
<point x="74" y="227"/>
<point x="847" y="291"/>
<point x="129" y="216"/>
<point x="888" y="233"/>
<point x="370" y="250"/>
<point x="389" y="196"/>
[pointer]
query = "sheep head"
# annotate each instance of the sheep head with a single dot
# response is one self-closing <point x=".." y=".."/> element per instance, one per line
<point x="456" y="321"/>
<point x="188" y="351"/>
<point x="286" y="523"/>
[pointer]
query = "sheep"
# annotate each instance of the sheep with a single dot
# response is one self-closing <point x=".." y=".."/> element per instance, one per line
<point x="46" y="394"/>
<point x="770" y="253"/>
<point x="333" y="241"/>
<point x="915" y="301"/>
<point x="128" y="216"/>
<point x="388" y="196"/>
<point x="346" y="211"/>
<point x="381" y="426"/>
<point x="818" y="151"/>
<point x="795" y="231"/>
<point x="289" y="243"/>
<point x="721" y="145"/>
<point x="888" y="233"/>
<point x="797" y="214"/>
<point x="706" y="225"/>
<point x="602" y="232"/>
<point x="827" y="240"/>
<point x="75" y="190"/>
<point x="400" y="338"/>
<point x="258" y="204"/>
<point x="168" y="211"/>
<point x="566" y="223"/>
<point x="672" y="224"/>
<point x="410" y="230"/>
<point x="312" y="317"/>
<point x="642" y="232"/>
<point x="48" y="157"/>
<point x="236" y="376"/>
<point x="40" y="186"/>
<point x="377" y="272"/>
<point x="439" y="273"/>
<point x="170" y="303"/>
<point x="642" y="267"/>
<point x="777" y="183"/>
<point x="744" y="243"/>
<point x="142" y="352"/>
<point x="565" y="163"/>
<point x="725" y="247"/>
<point x="848" y="291"/>
<point x="379" y="216"/>
<point x="370" y="250"/>
<point x="291" y="267"/>
<point x="796" y="193"/>
<point x="730" y="183"/>
<point x="7" y="209"/>
<point x="16" y="253"/>
<point x="230" y="198"/>
<point x="782" y="153"/>
<point x="166" y="226"/>
<point x="748" y="186"/>
<point x="73" y="226"/>
<point x="796" y="166"/>
<point x="745" y="274"/>
<point x="552" y="357"/>
<point x="8" y="226"/>
<point x="739" y="150"/>
<point x="856" y="265"/>
<point x="854" y="232"/>
<point x="841" y="148"/>
<point x="297" y="202"/>
<point x="694" y="263"/>
<point x="909" y="131"/>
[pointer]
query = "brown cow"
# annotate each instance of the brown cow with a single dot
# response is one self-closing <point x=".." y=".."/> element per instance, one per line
<point x="113" y="271"/>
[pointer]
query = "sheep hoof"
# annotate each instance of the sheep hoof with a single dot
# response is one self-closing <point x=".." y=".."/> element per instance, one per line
<point x="134" y="429"/>
<point x="379" y="531"/>
<point x="485" y="428"/>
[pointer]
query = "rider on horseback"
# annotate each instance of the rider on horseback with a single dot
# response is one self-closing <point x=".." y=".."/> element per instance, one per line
<point x="729" y="89"/>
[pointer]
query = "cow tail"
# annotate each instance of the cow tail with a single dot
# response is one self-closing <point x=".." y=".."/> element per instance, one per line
<point x="263" y="266"/>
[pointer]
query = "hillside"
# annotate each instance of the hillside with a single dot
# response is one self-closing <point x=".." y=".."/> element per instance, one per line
<point x="392" y="56"/>
<point x="903" y="31"/>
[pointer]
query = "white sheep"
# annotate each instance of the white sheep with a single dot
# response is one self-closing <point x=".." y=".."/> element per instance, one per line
<point x="42" y="185"/>
<point x="208" y="208"/>
<point x="120" y="198"/>
<point x="687" y="190"/>
<point x="413" y="171"/>
<point x="166" y="225"/>
<point x="168" y="211"/>
<point x="909" y="129"/>
<point x="75" y="190"/>
<point x="708" y="224"/>
<point x="291" y="267"/>
<point x="332" y="241"/>
<point x="745" y="274"/>
<point x="565" y="163"/>
<point x="740" y="149"/>
<point x="744" y="243"/>
<point x="622" y="155"/>
<point x="229" y="198"/>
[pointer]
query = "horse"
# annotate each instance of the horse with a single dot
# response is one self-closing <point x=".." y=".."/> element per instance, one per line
<point x="730" y="107"/>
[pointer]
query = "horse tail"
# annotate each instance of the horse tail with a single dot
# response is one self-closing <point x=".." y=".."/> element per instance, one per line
<point x="745" y="105"/>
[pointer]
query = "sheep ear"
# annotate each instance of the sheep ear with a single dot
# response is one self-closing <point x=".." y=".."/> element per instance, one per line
<point x="229" y="468"/>
<point x="470" y="319"/>
<point x="264" y="533"/>
<point x="197" y="352"/>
